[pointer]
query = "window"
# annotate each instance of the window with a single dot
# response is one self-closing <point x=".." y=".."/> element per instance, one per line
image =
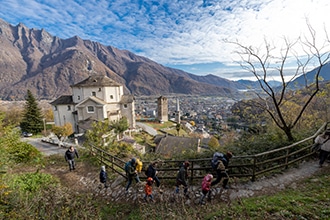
<point x="90" y="109"/>
<point x="69" y="107"/>
<point x="100" y="89"/>
<point x="78" y="97"/>
<point x="111" y="96"/>
<point x="93" y="93"/>
<point x="125" y="105"/>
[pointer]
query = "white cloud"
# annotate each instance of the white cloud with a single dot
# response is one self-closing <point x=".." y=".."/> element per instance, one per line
<point x="173" y="32"/>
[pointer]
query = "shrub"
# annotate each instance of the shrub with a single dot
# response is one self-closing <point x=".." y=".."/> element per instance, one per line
<point x="23" y="152"/>
<point x="32" y="182"/>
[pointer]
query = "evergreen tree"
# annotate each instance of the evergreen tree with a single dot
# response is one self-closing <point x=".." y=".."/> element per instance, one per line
<point x="32" y="118"/>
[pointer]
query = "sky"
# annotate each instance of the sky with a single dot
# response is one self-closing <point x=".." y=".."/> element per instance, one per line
<point x="191" y="35"/>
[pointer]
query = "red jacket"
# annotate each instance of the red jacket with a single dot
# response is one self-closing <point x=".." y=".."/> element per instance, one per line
<point x="206" y="184"/>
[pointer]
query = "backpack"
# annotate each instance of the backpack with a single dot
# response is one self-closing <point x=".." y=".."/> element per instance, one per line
<point x="127" y="164"/>
<point x="215" y="159"/>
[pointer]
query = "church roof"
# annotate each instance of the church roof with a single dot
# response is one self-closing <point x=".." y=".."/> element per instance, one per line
<point x="63" y="100"/>
<point x="97" y="81"/>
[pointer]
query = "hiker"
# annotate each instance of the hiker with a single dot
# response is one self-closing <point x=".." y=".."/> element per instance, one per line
<point x="69" y="157"/>
<point x="220" y="163"/>
<point x="148" y="190"/>
<point x="323" y="139"/>
<point x="103" y="176"/>
<point x="139" y="165"/>
<point x="130" y="168"/>
<point x="181" y="178"/>
<point x="152" y="172"/>
<point x="206" y="187"/>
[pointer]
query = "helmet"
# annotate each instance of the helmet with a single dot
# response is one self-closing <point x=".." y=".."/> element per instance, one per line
<point x="133" y="161"/>
<point x="186" y="164"/>
<point x="149" y="179"/>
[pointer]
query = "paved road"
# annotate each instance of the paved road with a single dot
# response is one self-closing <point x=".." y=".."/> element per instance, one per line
<point x="147" y="128"/>
<point x="46" y="148"/>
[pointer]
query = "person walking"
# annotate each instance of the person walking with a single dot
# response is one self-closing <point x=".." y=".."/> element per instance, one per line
<point x="103" y="176"/>
<point x="206" y="187"/>
<point x="148" y="190"/>
<point x="181" y="178"/>
<point x="220" y="164"/>
<point x="131" y="173"/>
<point x="70" y="154"/>
<point x="152" y="172"/>
<point x="323" y="139"/>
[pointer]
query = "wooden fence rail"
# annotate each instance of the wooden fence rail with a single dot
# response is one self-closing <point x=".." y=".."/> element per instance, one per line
<point x="240" y="166"/>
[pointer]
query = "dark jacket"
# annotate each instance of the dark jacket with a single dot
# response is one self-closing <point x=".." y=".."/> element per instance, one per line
<point x="131" y="169"/>
<point x="103" y="176"/>
<point x="69" y="155"/>
<point x="151" y="171"/>
<point x="182" y="175"/>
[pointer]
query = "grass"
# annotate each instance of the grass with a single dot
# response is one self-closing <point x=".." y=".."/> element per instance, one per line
<point x="308" y="200"/>
<point x="169" y="127"/>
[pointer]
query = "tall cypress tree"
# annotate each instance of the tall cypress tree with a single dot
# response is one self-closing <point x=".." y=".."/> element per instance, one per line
<point x="32" y="119"/>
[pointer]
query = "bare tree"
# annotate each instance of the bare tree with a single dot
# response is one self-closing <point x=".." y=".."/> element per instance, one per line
<point x="263" y="64"/>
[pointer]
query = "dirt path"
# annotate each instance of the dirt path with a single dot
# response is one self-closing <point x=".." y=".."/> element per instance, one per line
<point x="289" y="178"/>
<point x="85" y="179"/>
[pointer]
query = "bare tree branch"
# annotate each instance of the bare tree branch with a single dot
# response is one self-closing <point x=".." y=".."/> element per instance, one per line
<point x="262" y="63"/>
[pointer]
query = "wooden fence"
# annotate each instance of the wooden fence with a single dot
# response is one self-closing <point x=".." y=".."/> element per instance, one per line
<point x="249" y="166"/>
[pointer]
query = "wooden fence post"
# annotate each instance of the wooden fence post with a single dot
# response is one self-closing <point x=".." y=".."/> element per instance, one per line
<point x="192" y="171"/>
<point x="287" y="159"/>
<point x="254" y="169"/>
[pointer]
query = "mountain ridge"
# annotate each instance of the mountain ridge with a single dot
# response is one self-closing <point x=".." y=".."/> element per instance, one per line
<point x="47" y="65"/>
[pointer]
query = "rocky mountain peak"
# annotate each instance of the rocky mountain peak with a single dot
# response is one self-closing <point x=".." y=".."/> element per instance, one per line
<point x="47" y="65"/>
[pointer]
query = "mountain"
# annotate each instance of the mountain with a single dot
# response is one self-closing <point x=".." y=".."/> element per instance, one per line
<point x="248" y="84"/>
<point x="309" y="77"/>
<point x="47" y="66"/>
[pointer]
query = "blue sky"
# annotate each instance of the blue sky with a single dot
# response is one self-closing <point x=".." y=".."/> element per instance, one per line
<point x="184" y="34"/>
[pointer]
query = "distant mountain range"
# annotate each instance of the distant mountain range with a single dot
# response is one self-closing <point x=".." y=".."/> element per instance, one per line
<point x="47" y="65"/>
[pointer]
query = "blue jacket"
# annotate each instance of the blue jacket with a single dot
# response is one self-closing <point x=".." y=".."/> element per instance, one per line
<point x="103" y="176"/>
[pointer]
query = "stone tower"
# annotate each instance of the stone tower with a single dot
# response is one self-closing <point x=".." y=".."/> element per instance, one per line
<point x="177" y="111"/>
<point x="162" y="109"/>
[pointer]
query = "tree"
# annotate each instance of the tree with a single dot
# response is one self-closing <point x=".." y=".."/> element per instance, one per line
<point x="62" y="132"/>
<point x="178" y="128"/>
<point x="263" y="63"/>
<point x="32" y="118"/>
<point x="214" y="143"/>
<point x="120" y="126"/>
<point x="100" y="134"/>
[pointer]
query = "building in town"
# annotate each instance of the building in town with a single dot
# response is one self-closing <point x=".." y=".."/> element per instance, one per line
<point x="96" y="98"/>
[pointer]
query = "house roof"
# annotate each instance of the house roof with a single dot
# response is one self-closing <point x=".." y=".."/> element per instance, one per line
<point x="86" y="124"/>
<point x="96" y="81"/>
<point x="63" y="100"/>
<point x="94" y="99"/>
<point x="171" y="145"/>
<point x="127" y="99"/>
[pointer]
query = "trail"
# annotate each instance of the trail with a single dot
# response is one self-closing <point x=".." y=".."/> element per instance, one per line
<point x="86" y="179"/>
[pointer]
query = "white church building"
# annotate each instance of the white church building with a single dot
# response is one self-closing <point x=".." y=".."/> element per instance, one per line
<point x="96" y="98"/>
